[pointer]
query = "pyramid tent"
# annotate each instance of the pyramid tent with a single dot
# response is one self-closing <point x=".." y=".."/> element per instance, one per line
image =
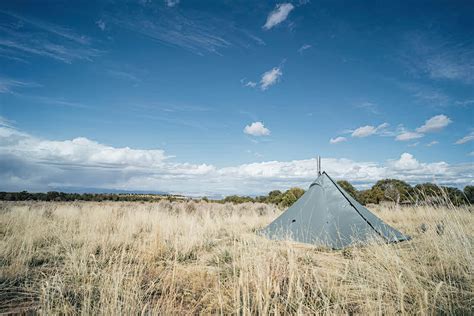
<point x="326" y="215"/>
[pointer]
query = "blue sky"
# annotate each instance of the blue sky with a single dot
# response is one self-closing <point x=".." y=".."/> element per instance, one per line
<point x="184" y="96"/>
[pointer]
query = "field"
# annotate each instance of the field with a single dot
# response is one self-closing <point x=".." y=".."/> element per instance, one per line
<point x="198" y="257"/>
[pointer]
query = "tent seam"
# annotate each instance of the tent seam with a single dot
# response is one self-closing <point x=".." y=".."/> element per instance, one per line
<point x="355" y="208"/>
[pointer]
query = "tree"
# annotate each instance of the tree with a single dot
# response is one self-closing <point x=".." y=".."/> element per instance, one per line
<point x="394" y="190"/>
<point x="275" y="197"/>
<point x="372" y="196"/>
<point x="469" y="193"/>
<point x="288" y="199"/>
<point x="455" y="195"/>
<point x="297" y="192"/>
<point x="428" y="192"/>
<point x="349" y="188"/>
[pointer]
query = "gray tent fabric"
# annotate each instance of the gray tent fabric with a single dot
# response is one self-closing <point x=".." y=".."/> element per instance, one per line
<point x="326" y="215"/>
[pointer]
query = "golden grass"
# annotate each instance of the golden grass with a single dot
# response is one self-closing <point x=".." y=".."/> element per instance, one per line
<point x="188" y="257"/>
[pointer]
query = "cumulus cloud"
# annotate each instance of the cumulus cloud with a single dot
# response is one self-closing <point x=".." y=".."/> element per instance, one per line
<point x="78" y="151"/>
<point x="434" y="124"/>
<point x="38" y="164"/>
<point x="407" y="135"/>
<point x="368" y="130"/>
<point x="31" y="163"/>
<point x="364" y="131"/>
<point x="256" y="129"/>
<point x="408" y="168"/>
<point x="406" y="162"/>
<point x="338" y="139"/>
<point x="270" y="77"/>
<point x="278" y="15"/>
<point x="465" y="139"/>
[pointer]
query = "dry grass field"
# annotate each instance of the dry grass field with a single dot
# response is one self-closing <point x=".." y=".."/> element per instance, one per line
<point x="189" y="257"/>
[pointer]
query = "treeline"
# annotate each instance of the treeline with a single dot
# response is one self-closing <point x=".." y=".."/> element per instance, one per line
<point x="390" y="190"/>
<point x="278" y="197"/>
<point x="96" y="197"/>
<point x="387" y="190"/>
<point x="400" y="192"/>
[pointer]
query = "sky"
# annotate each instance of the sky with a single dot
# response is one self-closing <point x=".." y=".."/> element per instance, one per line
<point x="234" y="97"/>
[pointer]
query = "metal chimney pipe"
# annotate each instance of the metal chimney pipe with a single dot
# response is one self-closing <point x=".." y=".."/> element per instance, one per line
<point x="319" y="165"/>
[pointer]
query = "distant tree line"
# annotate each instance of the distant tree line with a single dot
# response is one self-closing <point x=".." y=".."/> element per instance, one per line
<point x="390" y="190"/>
<point x="96" y="197"/>
<point x="400" y="192"/>
<point x="387" y="190"/>
<point x="278" y="197"/>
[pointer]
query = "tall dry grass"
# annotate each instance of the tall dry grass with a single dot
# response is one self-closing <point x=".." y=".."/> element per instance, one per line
<point x="175" y="258"/>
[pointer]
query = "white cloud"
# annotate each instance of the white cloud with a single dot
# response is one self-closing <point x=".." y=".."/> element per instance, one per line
<point x="440" y="59"/>
<point x="31" y="163"/>
<point x="270" y="77"/>
<point x="465" y="102"/>
<point x="6" y="122"/>
<point x="435" y="142"/>
<point x="409" y="169"/>
<point x="465" y="139"/>
<point x="368" y="130"/>
<point x="24" y="36"/>
<point x="303" y="48"/>
<point x="364" y="131"/>
<point x="245" y="83"/>
<point x="80" y="151"/>
<point x="124" y="75"/>
<point x="8" y="85"/>
<point x="338" y="139"/>
<point x="201" y="33"/>
<point x="436" y="123"/>
<point x="406" y="162"/>
<point x="101" y="24"/>
<point x="278" y="15"/>
<point x="50" y="28"/>
<point x="256" y="129"/>
<point x="172" y="3"/>
<point x="407" y="135"/>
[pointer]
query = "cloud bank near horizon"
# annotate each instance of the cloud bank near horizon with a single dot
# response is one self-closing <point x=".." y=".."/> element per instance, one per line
<point x="31" y="163"/>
